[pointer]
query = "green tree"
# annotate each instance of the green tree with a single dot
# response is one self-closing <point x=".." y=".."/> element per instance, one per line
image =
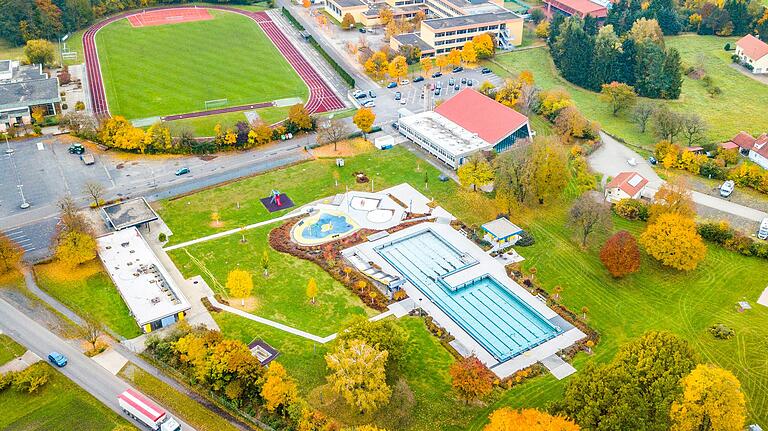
<point x="358" y="374"/>
<point x="632" y="392"/>
<point x="39" y="51"/>
<point x="475" y="172"/>
<point x="265" y="262"/>
<point x="385" y="335"/>
<point x="573" y="53"/>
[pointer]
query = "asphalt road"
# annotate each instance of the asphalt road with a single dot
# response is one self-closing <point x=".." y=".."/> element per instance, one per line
<point x="47" y="172"/>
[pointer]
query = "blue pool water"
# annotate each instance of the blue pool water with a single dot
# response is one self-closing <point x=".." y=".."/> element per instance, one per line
<point x="496" y="318"/>
<point x="327" y="225"/>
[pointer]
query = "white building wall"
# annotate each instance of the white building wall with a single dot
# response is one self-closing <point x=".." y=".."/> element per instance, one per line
<point x="757" y="158"/>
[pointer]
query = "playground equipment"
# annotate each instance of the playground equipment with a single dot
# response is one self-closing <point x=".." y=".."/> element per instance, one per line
<point x="275" y="198"/>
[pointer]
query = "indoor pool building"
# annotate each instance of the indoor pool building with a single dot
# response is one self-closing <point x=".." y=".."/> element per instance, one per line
<point x="467" y="292"/>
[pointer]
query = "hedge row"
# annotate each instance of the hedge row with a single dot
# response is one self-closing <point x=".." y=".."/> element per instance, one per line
<point x="340" y="70"/>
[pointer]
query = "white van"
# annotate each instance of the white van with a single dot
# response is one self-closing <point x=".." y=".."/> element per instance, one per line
<point x="762" y="231"/>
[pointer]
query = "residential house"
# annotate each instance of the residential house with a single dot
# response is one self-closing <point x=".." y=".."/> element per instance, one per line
<point x="24" y="88"/>
<point x="626" y="185"/>
<point x="756" y="149"/>
<point x="753" y="53"/>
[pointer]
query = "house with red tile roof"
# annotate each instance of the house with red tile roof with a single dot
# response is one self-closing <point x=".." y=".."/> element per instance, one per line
<point x="756" y="149"/>
<point x="753" y="53"/>
<point x="579" y="8"/>
<point x="626" y="185"/>
<point x="464" y="125"/>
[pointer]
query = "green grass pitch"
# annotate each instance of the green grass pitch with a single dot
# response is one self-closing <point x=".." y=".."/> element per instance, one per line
<point x="175" y="68"/>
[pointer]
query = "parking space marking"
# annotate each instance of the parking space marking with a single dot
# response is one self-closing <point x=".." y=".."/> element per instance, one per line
<point x="40" y="146"/>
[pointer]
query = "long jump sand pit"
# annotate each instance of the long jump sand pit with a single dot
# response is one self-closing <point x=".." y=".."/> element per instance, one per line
<point x="169" y="16"/>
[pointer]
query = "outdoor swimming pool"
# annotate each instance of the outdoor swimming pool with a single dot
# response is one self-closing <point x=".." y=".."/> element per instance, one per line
<point x="496" y="318"/>
<point x="326" y="225"/>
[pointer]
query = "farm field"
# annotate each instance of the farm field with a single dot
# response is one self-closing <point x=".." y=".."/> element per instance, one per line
<point x="656" y="298"/>
<point x="89" y="292"/>
<point x="59" y="405"/>
<point x="168" y="69"/>
<point x="740" y="93"/>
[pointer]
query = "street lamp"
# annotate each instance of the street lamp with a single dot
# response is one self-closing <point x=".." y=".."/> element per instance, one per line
<point x="24" y="204"/>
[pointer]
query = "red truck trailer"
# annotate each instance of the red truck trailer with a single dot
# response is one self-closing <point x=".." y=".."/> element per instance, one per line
<point x="144" y="410"/>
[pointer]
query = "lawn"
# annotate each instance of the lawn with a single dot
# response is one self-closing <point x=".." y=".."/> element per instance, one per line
<point x="9" y="349"/>
<point x="282" y="295"/>
<point x="173" y="69"/>
<point x="204" y="126"/>
<point x="187" y="409"/>
<point x="237" y="203"/>
<point x="89" y="292"/>
<point x="735" y="110"/>
<point x="59" y="405"/>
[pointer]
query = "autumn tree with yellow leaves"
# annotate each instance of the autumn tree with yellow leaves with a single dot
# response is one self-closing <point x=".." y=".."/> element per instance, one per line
<point x="358" y="374"/>
<point x="398" y="68"/>
<point x="240" y="284"/>
<point x="377" y="65"/>
<point x="468" y="53"/>
<point x="10" y="254"/>
<point x="454" y="57"/>
<point x="312" y="289"/>
<point x="484" y="46"/>
<point x="506" y="419"/>
<point x="712" y="400"/>
<point x="426" y="65"/>
<point x="673" y="240"/>
<point x="279" y="389"/>
<point x="364" y="119"/>
<point x="118" y="132"/>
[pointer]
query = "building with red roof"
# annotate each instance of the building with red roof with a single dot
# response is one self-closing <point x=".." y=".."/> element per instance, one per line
<point x="756" y="149"/>
<point x="753" y="53"/>
<point x="463" y="125"/>
<point x="626" y="185"/>
<point x="579" y="8"/>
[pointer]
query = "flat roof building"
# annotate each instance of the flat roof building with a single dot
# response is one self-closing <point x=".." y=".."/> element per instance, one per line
<point x="152" y="296"/>
<point x="463" y="125"/>
<point x="131" y="213"/>
<point x="579" y="8"/>
<point x="24" y="88"/>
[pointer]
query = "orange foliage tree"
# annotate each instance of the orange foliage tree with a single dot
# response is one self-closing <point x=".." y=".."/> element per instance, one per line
<point x="620" y="254"/>
<point x="505" y="419"/>
<point x="471" y="379"/>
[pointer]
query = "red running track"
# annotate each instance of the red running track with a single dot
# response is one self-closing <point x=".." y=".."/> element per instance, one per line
<point x="321" y="97"/>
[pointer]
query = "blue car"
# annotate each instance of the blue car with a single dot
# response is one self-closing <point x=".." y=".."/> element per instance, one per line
<point x="57" y="359"/>
<point x="182" y="171"/>
<point x="392" y="85"/>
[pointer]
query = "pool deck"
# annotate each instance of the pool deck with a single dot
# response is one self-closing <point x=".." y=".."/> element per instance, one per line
<point x="487" y="265"/>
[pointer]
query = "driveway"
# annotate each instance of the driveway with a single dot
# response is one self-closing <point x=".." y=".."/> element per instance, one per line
<point x="611" y="158"/>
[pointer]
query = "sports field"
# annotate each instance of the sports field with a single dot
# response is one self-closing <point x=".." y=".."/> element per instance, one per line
<point x="174" y="68"/>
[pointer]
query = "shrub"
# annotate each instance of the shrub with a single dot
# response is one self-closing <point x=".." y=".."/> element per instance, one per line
<point x="79" y="106"/>
<point x="631" y="209"/>
<point x="721" y="332"/>
<point x="526" y="239"/>
<point x="740" y="244"/>
<point x="6" y="380"/>
<point x="735" y="58"/>
<point x="31" y="379"/>
<point x="162" y="237"/>
<point x="64" y="106"/>
<point x="727" y="47"/>
<point x="760" y="249"/>
<point x="718" y="232"/>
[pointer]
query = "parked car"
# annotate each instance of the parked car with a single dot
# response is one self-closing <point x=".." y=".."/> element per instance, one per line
<point x="361" y="95"/>
<point x="395" y="125"/>
<point x="57" y="359"/>
<point x="437" y="91"/>
<point x="458" y="69"/>
<point x="392" y="85"/>
<point x="451" y="81"/>
<point x="76" y="149"/>
<point x="456" y="87"/>
<point x="369" y="104"/>
<point x="418" y="79"/>
<point x="398" y="95"/>
<point x="463" y="80"/>
<point x="762" y="231"/>
<point x="443" y="177"/>
<point x="727" y="188"/>
<point x="652" y="160"/>
<point x="437" y="74"/>
<point x="439" y="84"/>
<point x="485" y="71"/>
<point x="372" y="94"/>
<point x="405" y="82"/>
<point x="357" y="93"/>
<point x="470" y="83"/>
<point x="362" y="30"/>
<point x="182" y="171"/>
<point x="403" y="101"/>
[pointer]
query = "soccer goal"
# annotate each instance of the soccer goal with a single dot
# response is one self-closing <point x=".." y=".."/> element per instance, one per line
<point x="216" y="103"/>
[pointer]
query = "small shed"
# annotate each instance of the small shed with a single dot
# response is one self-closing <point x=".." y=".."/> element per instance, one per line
<point x="263" y="351"/>
<point x="502" y="232"/>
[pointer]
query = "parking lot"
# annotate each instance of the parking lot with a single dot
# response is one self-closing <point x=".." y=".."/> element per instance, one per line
<point x="420" y="96"/>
